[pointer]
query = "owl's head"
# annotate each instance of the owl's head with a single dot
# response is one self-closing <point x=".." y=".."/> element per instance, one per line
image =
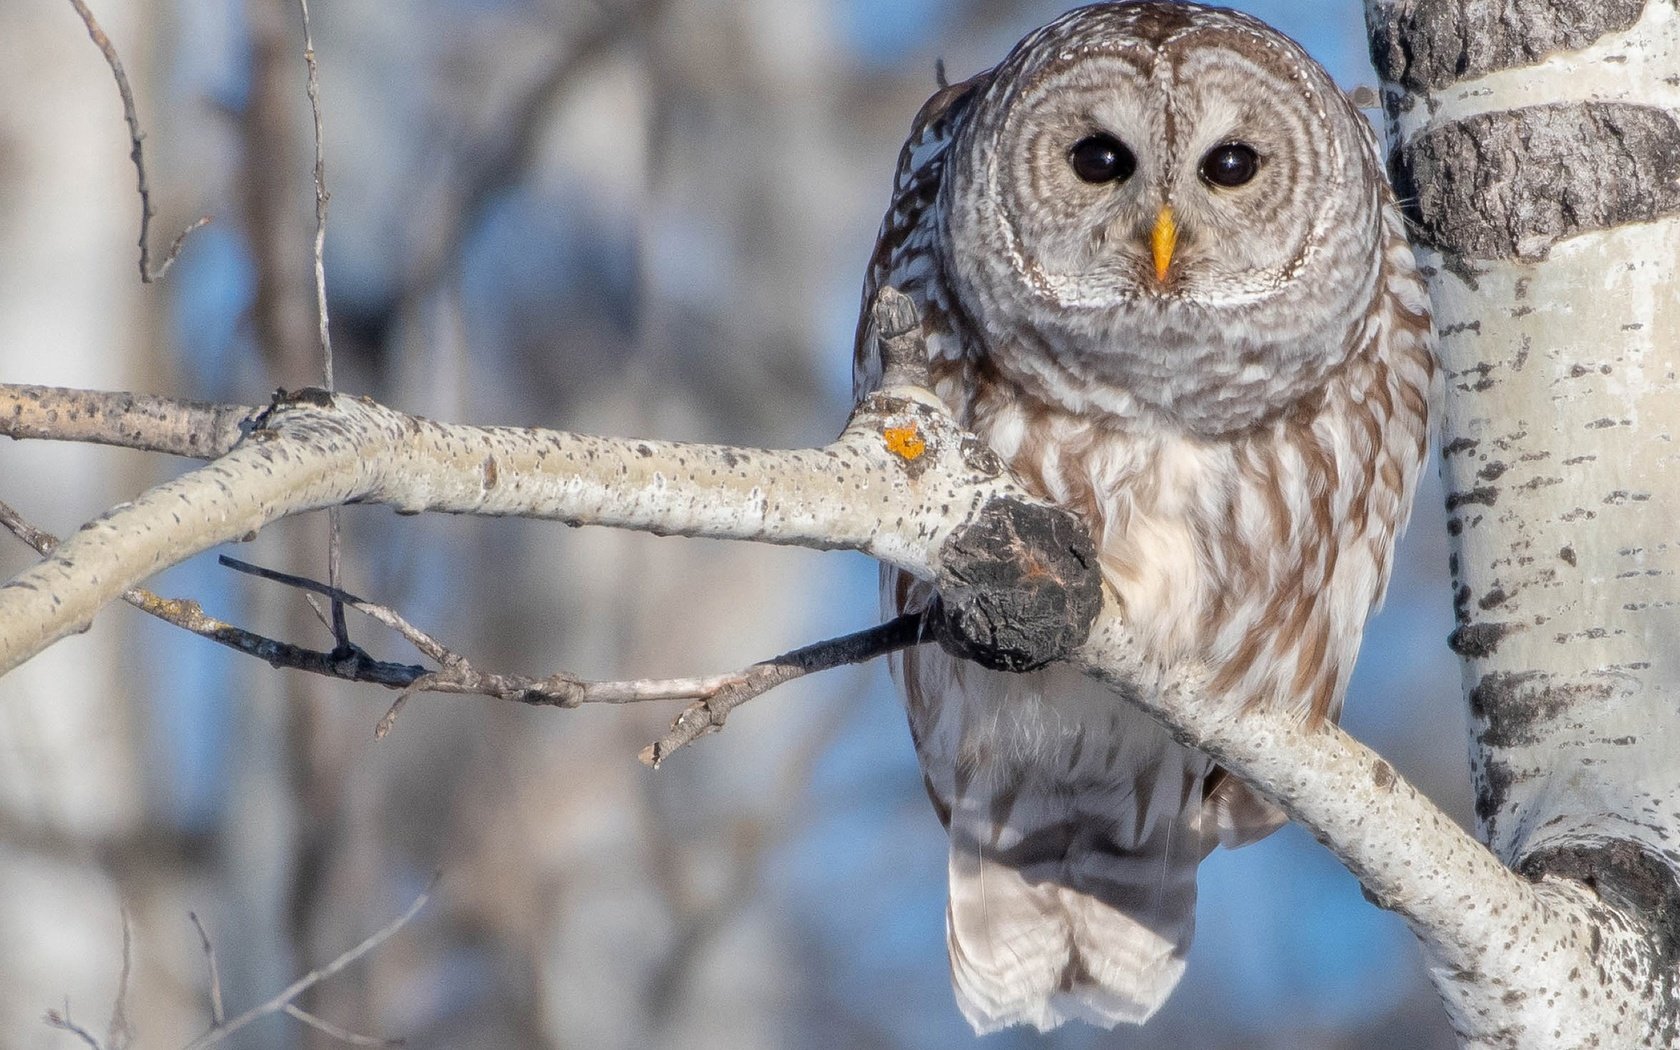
<point x="1169" y="197"/>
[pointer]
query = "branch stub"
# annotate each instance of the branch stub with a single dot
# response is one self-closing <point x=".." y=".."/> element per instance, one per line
<point x="1019" y="588"/>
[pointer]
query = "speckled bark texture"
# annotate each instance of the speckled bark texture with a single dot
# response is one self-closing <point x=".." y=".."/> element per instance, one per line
<point x="1540" y="144"/>
<point x="903" y="483"/>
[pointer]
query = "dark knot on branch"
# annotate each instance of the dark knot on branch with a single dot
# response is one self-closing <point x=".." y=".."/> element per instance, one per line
<point x="1020" y="587"/>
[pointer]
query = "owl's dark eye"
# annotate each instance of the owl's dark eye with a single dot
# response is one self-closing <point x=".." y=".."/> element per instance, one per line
<point x="1102" y="158"/>
<point x="1231" y="164"/>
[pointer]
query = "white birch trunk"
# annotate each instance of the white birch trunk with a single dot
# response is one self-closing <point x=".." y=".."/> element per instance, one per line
<point x="70" y="778"/>
<point x="1540" y="149"/>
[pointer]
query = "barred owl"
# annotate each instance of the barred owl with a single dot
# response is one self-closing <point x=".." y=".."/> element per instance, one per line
<point x="1161" y="274"/>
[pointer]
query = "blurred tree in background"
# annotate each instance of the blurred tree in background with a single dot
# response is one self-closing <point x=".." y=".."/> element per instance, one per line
<point x="631" y="217"/>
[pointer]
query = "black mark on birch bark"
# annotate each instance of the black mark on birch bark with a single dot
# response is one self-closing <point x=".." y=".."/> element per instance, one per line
<point x="1477" y="641"/>
<point x="1432" y="43"/>
<point x="1493" y="781"/>
<point x="1627" y="877"/>
<point x="1510" y="185"/>
<point x="1515" y="708"/>
<point x="1020" y="587"/>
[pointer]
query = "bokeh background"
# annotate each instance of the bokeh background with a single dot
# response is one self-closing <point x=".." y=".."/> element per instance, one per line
<point x="639" y="217"/>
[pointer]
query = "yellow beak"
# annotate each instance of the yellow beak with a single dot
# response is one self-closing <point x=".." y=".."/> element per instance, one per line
<point x="1164" y="240"/>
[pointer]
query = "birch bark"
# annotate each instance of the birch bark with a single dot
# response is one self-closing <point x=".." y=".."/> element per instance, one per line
<point x="1539" y="146"/>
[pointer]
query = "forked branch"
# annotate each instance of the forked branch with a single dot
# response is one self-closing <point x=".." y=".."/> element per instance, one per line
<point x="713" y="697"/>
<point x="136" y="138"/>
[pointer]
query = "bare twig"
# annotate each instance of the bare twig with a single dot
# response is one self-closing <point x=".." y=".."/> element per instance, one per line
<point x="120" y="1033"/>
<point x="422" y="641"/>
<point x="713" y="697"/>
<point x="335" y="545"/>
<point x="321" y="198"/>
<point x="280" y="1002"/>
<point x="136" y="137"/>
<point x="343" y="1035"/>
<point x="217" y="1016"/>
<point x="60" y="1019"/>
<point x="707" y="714"/>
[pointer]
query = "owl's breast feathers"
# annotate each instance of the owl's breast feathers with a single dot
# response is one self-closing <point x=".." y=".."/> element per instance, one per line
<point x="1259" y="554"/>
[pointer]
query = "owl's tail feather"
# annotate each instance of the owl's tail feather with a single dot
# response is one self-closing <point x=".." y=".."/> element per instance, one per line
<point x="1073" y="906"/>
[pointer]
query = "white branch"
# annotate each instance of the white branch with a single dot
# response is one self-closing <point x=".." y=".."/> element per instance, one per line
<point x="904" y="484"/>
<point x="1474" y="915"/>
<point x="855" y="494"/>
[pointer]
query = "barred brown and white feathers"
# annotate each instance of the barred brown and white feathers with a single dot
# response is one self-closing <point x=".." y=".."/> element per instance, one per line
<point x="1161" y="274"/>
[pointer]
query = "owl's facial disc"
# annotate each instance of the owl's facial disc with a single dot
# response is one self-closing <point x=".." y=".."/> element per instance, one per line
<point x="1163" y="195"/>
<point x="1165" y="174"/>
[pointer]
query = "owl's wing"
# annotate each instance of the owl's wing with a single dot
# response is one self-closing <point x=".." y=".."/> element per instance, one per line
<point x="905" y="255"/>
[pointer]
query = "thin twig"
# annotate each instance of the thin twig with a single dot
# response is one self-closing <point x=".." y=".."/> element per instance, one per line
<point x="187" y="614"/>
<point x="217" y="1016"/>
<point x="714" y="698"/>
<point x="120" y="1033"/>
<point x="60" y="1019"/>
<point x="335" y="534"/>
<point x="135" y="136"/>
<point x="314" y="977"/>
<point x="422" y="641"/>
<point x="707" y="714"/>
<point x="321" y="198"/>
<point x="343" y="1035"/>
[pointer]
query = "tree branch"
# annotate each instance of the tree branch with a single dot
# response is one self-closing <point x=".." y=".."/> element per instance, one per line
<point x="217" y="1014"/>
<point x="902" y="483"/>
<point x="1017" y="581"/>
<point x="714" y="697"/>
<point x="1472" y="913"/>
<point x="193" y="429"/>
<point x="283" y="1002"/>
<point x="136" y="152"/>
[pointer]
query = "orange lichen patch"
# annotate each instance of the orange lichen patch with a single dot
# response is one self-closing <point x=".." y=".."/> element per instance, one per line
<point x="905" y="442"/>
